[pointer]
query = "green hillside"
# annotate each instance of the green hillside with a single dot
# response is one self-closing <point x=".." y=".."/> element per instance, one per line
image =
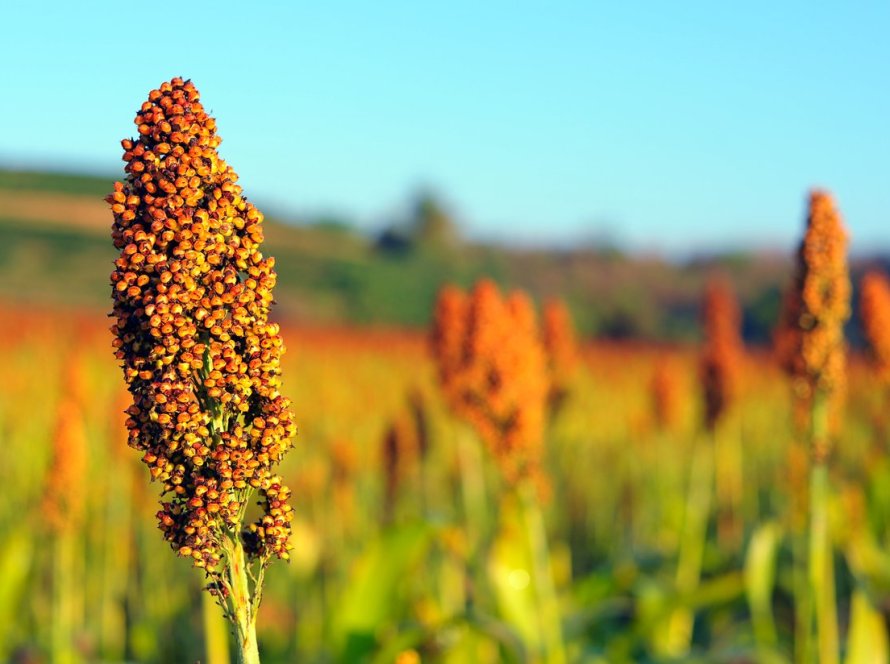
<point x="61" y="183"/>
<point x="330" y="273"/>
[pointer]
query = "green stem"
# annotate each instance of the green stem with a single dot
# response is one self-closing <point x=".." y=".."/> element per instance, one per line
<point x="821" y="558"/>
<point x="63" y="618"/>
<point x="241" y="603"/>
<point x="472" y="484"/>
<point x="116" y="553"/>
<point x="692" y="546"/>
<point x="821" y="567"/>
<point x="803" y="611"/>
<point x="551" y="621"/>
<point x="729" y="482"/>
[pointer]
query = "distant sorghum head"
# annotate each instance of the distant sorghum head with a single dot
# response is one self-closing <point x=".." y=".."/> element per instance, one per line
<point x="558" y="336"/>
<point x="448" y="339"/>
<point x="668" y="393"/>
<point x="722" y="352"/>
<point x="63" y="494"/>
<point x="399" y="455"/>
<point x="874" y="311"/>
<point x="493" y="371"/>
<point x="192" y="293"/>
<point x="810" y="340"/>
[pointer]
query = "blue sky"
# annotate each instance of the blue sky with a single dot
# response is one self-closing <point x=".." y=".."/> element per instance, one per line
<point x="665" y="126"/>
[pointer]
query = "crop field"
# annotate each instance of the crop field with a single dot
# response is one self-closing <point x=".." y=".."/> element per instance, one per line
<point x="408" y="543"/>
<point x="611" y="404"/>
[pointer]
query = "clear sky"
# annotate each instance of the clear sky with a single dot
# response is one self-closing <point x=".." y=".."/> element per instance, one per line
<point x="664" y="125"/>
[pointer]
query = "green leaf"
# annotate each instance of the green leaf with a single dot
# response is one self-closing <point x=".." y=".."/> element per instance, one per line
<point x="867" y="637"/>
<point x="760" y="580"/>
<point x="510" y="568"/>
<point x="371" y="599"/>
<point x="15" y="564"/>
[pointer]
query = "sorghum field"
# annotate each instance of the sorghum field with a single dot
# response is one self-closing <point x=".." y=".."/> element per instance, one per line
<point x="191" y="475"/>
<point x="408" y="542"/>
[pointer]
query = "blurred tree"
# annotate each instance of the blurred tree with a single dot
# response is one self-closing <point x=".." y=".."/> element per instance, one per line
<point x="431" y="226"/>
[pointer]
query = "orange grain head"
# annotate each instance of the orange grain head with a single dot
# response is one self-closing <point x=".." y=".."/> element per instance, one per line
<point x="810" y="339"/>
<point x="561" y="347"/>
<point x="447" y="338"/>
<point x="874" y="308"/>
<point x="493" y="372"/>
<point x="722" y="351"/>
<point x="66" y="481"/>
<point x="821" y="299"/>
<point x="668" y="393"/>
<point x="399" y="454"/>
<point x="191" y="295"/>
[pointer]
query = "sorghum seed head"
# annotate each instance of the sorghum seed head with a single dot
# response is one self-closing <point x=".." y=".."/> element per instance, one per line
<point x="192" y="293"/>
<point x="493" y="371"/>
<point x="812" y="346"/>
<point x="668" y="392"/>
<point x="874" y="308"/>
<point x="63" y="496"/>
<point x="558" y="337"/>
<point x="722" y="351"/>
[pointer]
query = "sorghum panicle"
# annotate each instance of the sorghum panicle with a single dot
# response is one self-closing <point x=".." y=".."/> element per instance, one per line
<point x="493" y="370"/>
<point x="874" y="309"/>
<point x="63" y="495"/>
<point x="561" y="348"/>
<point x="722" y="352"/>
<point x="447" y="340"/>
<point x="667" y="392"/>
<point x="812" y="348"/>
<point x="399" y="454"/>
<point x="192" y="293"/>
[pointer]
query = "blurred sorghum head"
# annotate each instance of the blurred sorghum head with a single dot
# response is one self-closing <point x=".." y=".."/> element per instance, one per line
<point x="493" y="372"/>
<point x="558" y="337"/>
<point x="65" y="488"/>
<point x="722" y="353"/>
<point x="811" y="345"/>
<point x="874" y="309"/>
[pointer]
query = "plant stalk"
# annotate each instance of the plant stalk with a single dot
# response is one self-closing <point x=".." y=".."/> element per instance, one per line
<point x="62" y="616"/>
<point x="241" y="604"/>
<point x="550" y="618"/>
<point x="692" y="546"/>
<point x="821" y="560"/>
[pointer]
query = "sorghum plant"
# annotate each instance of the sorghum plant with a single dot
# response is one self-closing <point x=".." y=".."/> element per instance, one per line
<point x="493" y="372"/>
<point x="716" y="462"/>
<point x="721" y="364"/>
<point x="192" y="294"/>
<point x="62" y="507"/>
<point x="813" y="352"/>
<point x="63" y="497"/>
<point x="811" y="346"/>
<point x="667" y="394"/>
<point x="399" y="456"/>
<point x="721" y="355"/>
<point x="561" y="349"/>
<point x="874" y="308"/>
